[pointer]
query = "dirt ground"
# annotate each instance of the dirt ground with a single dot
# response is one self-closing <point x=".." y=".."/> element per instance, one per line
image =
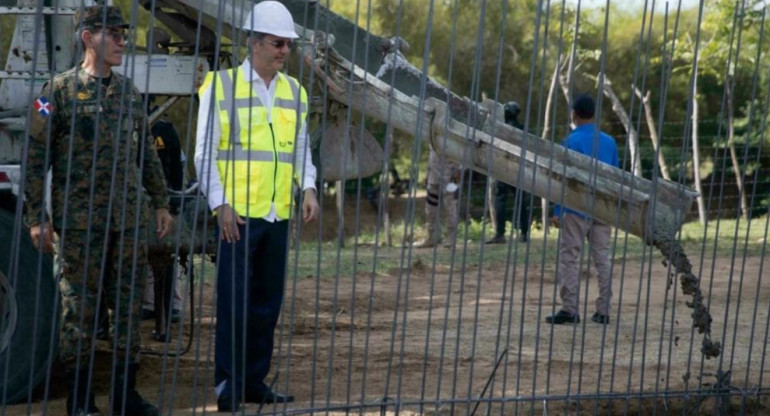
<point x="425" y="334"/>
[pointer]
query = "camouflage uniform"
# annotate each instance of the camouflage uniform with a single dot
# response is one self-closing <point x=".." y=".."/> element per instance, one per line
<point x="440" y="174"/>
<point x="92" y="136"/>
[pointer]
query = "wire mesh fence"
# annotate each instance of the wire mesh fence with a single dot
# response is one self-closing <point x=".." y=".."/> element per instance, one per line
<point x="423" y="286"/>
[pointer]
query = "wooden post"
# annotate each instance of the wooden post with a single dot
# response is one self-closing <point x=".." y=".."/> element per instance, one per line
<point x="548" y="171"/>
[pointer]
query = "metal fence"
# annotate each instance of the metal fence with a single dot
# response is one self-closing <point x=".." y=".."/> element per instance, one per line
<point x="379" y="314"/>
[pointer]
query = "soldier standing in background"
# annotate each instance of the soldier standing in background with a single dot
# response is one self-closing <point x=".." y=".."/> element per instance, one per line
<point x="443" y="178"/>
<point x="169" y="147"/>
<point x="88" y="128"/>
<point x="522" y="200"/>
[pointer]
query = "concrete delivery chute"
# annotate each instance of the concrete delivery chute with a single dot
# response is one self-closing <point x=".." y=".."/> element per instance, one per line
<point x="489" y="146"/>
<point x="472" y="134"/>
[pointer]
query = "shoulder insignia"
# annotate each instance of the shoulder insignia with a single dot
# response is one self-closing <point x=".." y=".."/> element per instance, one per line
<point x="43" y="106"/>
<point x="159" y="144"/>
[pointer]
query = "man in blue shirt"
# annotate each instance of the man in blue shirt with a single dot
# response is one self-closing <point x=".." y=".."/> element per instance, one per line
<point x="576" y="226"/>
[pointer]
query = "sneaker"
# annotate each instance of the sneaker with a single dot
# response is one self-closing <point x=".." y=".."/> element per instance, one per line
<point x="563" y="317"/>
<point x="498" y="239"/>
<point x="600" y="319"/>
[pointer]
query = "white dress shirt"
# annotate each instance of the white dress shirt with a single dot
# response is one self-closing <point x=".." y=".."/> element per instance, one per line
<point x="208" y="135"/>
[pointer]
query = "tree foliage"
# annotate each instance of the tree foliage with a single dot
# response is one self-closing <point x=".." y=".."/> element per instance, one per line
<point x="508" y="50"/>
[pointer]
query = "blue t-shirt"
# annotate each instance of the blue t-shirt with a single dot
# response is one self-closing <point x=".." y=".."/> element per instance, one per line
<point x="586" y="139"/>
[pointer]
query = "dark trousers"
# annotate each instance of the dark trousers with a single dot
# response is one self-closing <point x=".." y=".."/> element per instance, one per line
<point x="250" y="284"/>
<point x="520" y="204"/>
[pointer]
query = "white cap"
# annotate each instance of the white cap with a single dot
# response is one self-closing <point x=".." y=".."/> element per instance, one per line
<point x="270" y="17"/>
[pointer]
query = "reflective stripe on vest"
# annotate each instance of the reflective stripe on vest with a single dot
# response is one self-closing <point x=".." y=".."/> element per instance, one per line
<point x="255" y="158"/>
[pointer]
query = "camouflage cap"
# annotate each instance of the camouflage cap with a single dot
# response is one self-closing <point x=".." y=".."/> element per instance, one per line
<point x="95" y="17"/>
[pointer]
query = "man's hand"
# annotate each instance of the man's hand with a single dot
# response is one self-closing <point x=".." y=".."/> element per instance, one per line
<point x="229" y="221"/>
<point x="165" y="222"/>
<point x="555" y="221"/>
<point x="457" y="175"/>
<point x="309" y="205"/>
<point x="42" y="237"/>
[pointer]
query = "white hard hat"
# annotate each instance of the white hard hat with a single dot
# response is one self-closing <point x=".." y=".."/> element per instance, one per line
<point x="270" y="17"/>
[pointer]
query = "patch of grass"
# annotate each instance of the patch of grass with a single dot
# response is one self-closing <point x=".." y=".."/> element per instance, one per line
<point x="731" y="236"/>
<point x="328" y="260"/>
<point x="362" y="255"/>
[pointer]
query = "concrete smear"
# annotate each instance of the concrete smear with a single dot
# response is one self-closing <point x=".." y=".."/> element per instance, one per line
<point x="675" y="255"/>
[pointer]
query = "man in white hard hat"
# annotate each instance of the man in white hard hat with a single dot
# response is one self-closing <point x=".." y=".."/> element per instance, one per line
<point x="251" y="146"/>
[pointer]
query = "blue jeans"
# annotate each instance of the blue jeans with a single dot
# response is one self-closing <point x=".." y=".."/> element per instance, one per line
<point x="250" y="285"/>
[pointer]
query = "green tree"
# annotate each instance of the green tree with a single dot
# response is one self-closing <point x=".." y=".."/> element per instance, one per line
<point x="726" y="56"/>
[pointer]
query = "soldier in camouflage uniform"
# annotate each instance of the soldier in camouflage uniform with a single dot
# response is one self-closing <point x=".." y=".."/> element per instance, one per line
<point x="88" y="128"/>
<point x="443" y="177"/>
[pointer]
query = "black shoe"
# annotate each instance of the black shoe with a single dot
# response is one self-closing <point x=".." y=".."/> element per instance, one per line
<point x="147" y="314"/>
<point x="267" y="397"/>
<point x="160" y="337"/>
<point x="135" y="406"/>
<point x="600" y="319"/>
<point x="176" y="316"/>
<point x="89" y="409"/>
<point x="103" y="330"/>
<point x="84" y="406"/>
<point x="563" y="318"/>
<point x="225" y="403"/>
<point x="498" y="239"/>
<point x="124" y="396"/>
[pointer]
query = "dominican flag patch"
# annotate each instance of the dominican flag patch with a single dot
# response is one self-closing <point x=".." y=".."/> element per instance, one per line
<point x="43" y="106"/>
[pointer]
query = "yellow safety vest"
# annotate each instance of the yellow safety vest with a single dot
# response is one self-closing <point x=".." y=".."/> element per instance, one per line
<point x="255" y="158"/>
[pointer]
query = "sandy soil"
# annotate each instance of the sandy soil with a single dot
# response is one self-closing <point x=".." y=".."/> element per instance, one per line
<point x="429" y="335"/>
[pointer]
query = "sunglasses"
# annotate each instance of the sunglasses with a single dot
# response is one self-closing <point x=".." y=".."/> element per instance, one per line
<point x="280" y="43"/>
<point x="116" y="35"/>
